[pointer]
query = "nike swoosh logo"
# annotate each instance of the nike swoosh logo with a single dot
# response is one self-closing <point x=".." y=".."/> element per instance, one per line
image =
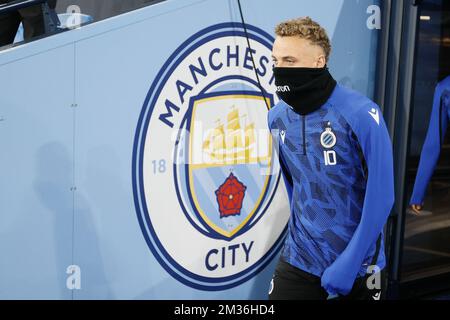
<point x="377" y="296"/>
<point x="375" y="115"/>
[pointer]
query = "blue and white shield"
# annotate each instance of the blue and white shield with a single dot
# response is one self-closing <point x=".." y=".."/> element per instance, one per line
<point x="226" y="157"/>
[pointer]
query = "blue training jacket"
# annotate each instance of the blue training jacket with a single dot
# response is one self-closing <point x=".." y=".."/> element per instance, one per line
<point x="337" y="165"/>
<point x="440" y="116"/>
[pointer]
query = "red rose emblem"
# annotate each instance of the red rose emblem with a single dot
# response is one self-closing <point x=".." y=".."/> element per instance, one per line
<point x="230" y="196"/>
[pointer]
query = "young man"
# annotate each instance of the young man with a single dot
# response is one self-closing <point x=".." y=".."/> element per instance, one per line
<point x="440" y="116"/>
<point x="336" y="159"/>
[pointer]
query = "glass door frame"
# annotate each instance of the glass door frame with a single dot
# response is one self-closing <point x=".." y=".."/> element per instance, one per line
<point x="394" y="92"/>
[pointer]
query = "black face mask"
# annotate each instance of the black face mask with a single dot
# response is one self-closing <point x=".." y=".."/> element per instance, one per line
<point x="304" y="89"/>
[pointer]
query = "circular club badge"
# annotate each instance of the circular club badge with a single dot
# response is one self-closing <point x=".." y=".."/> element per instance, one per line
<point x="205" y="171"/>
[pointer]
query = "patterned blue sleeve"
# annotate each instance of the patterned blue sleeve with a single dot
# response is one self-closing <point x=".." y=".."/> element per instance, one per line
<point x="368" y="125"/>
<point x="287" y="177"/>
<point x="432" y="146"/>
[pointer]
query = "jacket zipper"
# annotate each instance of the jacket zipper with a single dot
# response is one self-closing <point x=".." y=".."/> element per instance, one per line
<point x="304" y="135"/>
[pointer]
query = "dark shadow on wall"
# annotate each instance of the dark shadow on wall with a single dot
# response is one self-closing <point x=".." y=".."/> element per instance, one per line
<point x="52" y="185"/>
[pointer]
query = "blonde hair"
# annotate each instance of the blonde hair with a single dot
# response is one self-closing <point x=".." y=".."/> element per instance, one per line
<point x="306" y="29"/>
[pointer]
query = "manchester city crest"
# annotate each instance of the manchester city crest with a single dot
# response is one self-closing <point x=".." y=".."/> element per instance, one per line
<point x="206" y="179"/>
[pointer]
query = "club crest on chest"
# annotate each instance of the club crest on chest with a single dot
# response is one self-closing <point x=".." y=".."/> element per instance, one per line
<point x="328" y="139"/>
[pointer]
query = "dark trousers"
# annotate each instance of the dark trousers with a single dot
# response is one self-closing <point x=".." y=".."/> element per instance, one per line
<point x="290" y="283"/>
<point x="32" y="19"/>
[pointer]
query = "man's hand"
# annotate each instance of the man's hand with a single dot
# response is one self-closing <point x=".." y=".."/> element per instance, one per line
<point x="335" y="283"/>
<point x="416" y="208"/>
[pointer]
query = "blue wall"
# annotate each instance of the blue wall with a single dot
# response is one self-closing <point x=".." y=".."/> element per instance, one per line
<point x="70" y="105"/>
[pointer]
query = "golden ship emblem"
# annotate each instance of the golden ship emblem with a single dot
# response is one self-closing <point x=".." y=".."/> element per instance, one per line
<point x="234" y="142"/>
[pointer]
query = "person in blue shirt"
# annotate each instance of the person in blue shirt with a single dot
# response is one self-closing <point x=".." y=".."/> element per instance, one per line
<point x="440" y="116"/>
<point x="336" y="158"/>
